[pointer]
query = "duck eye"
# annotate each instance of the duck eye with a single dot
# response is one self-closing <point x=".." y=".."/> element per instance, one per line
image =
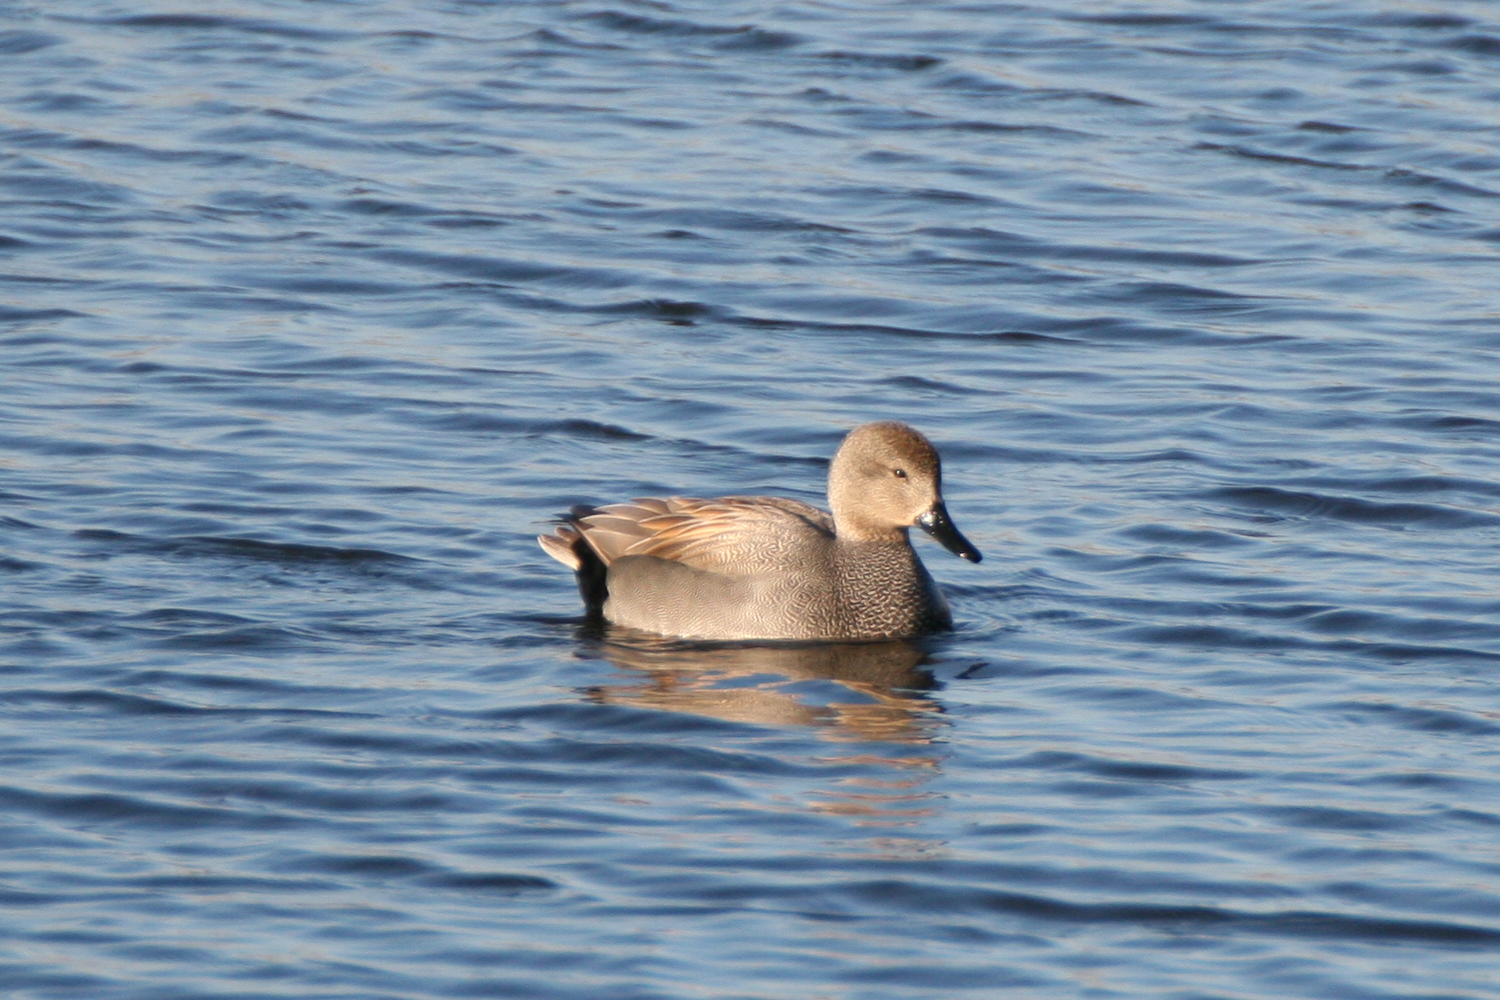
<point x="899" y="473"/>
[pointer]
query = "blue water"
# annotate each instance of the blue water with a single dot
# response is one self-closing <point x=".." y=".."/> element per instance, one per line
<point x="313" y="313"/>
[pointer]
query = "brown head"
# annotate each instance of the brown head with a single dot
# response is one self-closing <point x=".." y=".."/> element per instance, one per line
<point x="886" y="478"/>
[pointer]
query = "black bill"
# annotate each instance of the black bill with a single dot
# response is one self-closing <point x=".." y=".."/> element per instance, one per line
<point x="935" y="522"/>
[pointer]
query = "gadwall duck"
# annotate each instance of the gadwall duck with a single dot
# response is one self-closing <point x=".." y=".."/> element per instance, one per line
<point x="747" y="567"/>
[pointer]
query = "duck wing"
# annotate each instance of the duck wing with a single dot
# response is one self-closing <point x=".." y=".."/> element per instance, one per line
<point x="729" y="534"/>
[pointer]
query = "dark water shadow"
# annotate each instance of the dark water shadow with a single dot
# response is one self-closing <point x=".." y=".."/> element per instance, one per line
<point x="854" y="692"/>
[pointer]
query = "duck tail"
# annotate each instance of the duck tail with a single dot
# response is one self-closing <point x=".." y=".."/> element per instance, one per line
<point x="567" y="545"/>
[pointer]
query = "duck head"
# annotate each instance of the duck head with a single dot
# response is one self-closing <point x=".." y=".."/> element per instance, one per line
<point x="886" y="478"/>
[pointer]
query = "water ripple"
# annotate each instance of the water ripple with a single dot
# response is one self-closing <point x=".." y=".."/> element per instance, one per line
<point x="312" y="320"/>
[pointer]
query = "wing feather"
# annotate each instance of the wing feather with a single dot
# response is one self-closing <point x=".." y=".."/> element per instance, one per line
<point x="724" y="535"/>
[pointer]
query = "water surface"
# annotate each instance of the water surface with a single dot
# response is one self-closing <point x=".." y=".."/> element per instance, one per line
<point x="312" y="313"/>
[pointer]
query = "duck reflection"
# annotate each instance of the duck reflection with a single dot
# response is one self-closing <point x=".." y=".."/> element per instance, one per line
<point x="865" y="691"/>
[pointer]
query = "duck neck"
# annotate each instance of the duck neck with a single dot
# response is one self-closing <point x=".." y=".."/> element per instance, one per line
<point x="851" y="531"/>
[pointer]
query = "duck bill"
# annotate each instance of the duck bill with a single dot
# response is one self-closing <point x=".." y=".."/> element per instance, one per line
<point x="936" y="523"/>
